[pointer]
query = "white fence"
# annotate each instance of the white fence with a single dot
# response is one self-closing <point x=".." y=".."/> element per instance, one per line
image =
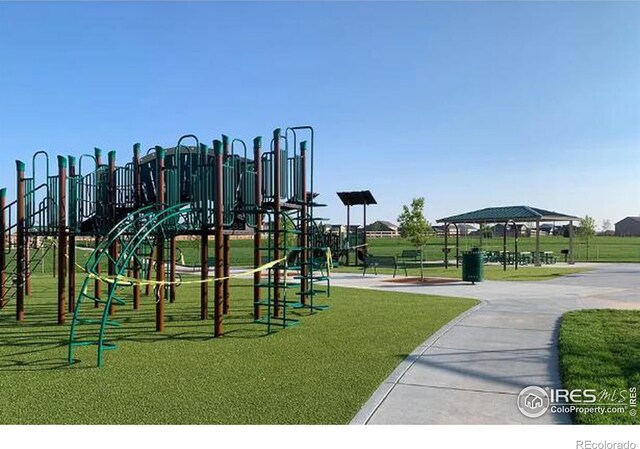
<point x="383" y="234"/>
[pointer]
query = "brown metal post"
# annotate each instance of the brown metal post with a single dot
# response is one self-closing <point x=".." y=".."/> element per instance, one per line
<point x="571" y="257"/>
<point x="62" y="237"/>
<point x="218" y="229"/>
<point x="204" y="237"/>
<point x="446" y="245"/>
<point x="3" y="260"/>
<point x="71" y="264"/>
<point x="364" y="219"/>
<point x="97" y="286"/>
<point x="515" y="234"/>
<point x="276" y="220"/>
<point x="536" y="256"/>
<point x="20" y="250"/>
<point x="257" y="236"/>
<point x="457" y="245"/>
<point x="304" y="228"/>
<point x="113" y="249"/>
<point x="226" y="251"/>
<point x="160" y="271"/>
<point x="137" y="194"/>
<point x="348" y="235"/>
<point x="504" y="246"/>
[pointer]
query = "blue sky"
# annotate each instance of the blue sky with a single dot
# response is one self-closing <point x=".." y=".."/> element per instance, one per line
<point x="467" y="104"/>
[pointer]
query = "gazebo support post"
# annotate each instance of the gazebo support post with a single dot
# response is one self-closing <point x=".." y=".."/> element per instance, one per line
<point x="446" y="248"/>
<point x="348" y="235"/>
<point x="515" y="238"/>
<point x="504" y="246"/>
<point x="457" y="245"/>
<point x="571" y="259"/>
<point x="536" y="256"/>
<point x="504" y="243"/>
<point x="364" y="230"/>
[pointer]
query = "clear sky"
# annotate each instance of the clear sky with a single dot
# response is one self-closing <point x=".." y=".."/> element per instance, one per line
<point x="467" y="104"/>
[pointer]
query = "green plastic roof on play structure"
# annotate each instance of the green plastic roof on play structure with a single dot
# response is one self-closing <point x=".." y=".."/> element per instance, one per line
<point x="502" y="214"/>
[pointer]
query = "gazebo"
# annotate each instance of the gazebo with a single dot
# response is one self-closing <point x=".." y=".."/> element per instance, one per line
<point x="361" y="198"/>
<point x="508" y="216"/>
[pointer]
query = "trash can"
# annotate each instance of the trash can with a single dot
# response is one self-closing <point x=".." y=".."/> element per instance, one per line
<point x="473" y="266"/>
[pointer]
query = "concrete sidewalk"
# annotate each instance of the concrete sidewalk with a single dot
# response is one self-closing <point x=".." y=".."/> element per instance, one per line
<point x="472" y="370"/>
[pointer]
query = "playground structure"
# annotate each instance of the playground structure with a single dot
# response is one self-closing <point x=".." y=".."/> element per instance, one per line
<point x="134" y="213"/>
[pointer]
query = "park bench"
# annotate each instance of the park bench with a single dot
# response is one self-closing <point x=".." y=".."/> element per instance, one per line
<point x="410" y="255"/>
<point x="382" y="262"/>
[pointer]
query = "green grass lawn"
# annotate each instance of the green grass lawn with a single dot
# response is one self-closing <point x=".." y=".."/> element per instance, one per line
<point x="600" y="349"/>
<point x="491" y="272"/>
<point x="601" y="248"/>
<point x="321" y="371"/>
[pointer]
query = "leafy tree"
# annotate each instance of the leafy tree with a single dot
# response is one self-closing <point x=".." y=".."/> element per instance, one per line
<point x="415" y="227"/>
<point x="587" y="230"/>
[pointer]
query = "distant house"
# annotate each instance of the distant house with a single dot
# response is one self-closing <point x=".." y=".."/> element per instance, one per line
<point x="463" y="229"/>
<point x="523" y="230"/>
<point x="628" y="227"/>
<point x="342" y="229"/>
<point x="549" y="229"/>
<point x="382" y="228"/>
<point x="381" y="225"/>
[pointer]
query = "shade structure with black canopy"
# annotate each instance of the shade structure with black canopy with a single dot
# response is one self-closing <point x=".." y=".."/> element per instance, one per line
<point x="509" y="216"/>
<point x="362" y="198"/>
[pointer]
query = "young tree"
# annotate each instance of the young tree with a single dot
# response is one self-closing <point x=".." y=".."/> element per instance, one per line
<point x="587" y="230"/>
<point x="415" y="228"/>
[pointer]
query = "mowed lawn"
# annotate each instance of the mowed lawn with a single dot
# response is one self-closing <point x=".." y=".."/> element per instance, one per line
<point x="491" y="272"/>
<point x="600" y="349"/>
<point x="320" y="371"/>
<point x="601" y="248"/>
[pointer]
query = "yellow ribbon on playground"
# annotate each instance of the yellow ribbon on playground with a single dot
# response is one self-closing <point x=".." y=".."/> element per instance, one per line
<point x="329" y="261"/>
<point x="126" y="281"/>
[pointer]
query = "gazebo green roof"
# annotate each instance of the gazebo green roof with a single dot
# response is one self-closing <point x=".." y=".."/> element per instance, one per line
<point x="503" y="214"/>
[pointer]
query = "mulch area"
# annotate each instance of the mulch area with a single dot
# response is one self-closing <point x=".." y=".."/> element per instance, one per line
<point x="425" y="281"/>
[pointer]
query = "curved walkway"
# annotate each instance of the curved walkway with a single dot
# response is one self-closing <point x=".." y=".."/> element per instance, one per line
<point x="472" y="370"/>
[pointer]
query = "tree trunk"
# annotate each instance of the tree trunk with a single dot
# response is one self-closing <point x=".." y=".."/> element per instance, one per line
<point x="421" y="264"/>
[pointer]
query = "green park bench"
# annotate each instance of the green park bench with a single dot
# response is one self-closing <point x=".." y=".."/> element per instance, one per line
<point x="410" y="255"/>
<point x="375" y="262"/>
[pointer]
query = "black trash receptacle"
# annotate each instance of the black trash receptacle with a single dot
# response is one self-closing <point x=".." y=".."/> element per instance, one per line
<point x="473" y="266"/>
